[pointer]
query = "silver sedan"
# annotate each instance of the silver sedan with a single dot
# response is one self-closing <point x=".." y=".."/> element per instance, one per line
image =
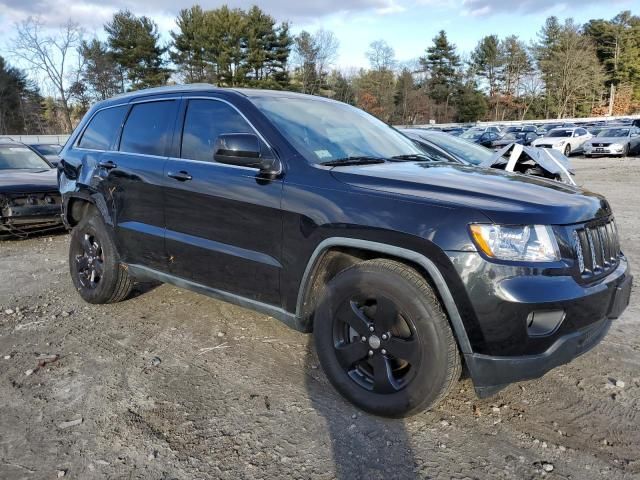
<point x="614" y="141"/>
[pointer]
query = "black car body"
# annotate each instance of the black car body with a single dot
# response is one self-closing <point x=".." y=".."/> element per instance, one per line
<point x="29" y="197"/>
<point x="287" y="208"/>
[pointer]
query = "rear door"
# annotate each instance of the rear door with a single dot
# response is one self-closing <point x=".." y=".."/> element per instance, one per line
<point x="136" y="180"/>
<point x="224" y="224"/>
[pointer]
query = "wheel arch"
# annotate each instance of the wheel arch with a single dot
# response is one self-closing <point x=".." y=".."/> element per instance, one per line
<point x="334" y="254"/>
<point x="78" y="204"/>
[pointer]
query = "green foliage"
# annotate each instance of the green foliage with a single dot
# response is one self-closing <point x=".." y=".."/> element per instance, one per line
<point x="20" y="102"/>
<point x="135" y="46"/>
<point x="101" y="77"/>
<point x="231" y="47"/>
<point x="470" y="104"/>
<point x="441" y="63"/>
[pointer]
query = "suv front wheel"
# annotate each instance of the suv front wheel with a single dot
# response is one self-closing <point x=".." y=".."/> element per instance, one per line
<point x="96" y="271"/>
<point x="383" y="339"/>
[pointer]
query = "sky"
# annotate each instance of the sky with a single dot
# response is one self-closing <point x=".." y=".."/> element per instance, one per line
<point x="407" y="25"/>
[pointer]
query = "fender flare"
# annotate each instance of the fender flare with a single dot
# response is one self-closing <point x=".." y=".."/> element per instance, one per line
<point x="399" y="252"/>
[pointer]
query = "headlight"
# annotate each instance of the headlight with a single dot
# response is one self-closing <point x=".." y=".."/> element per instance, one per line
<point x="559" y="144"/>
<point x="522" y="243"/>
<point x="616" y="146"/>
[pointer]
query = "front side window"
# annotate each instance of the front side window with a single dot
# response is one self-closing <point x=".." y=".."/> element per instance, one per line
<point x="149" y="128"/>
<point x="19" y="157"/>
<point x="323" y="130"/>
<point x="204" y="122"/>
<point x="103" y="129"/>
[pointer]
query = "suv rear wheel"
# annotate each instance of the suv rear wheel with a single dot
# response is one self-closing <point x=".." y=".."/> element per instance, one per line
<point x="383" y="339"/>
<point x="95" y="268"/>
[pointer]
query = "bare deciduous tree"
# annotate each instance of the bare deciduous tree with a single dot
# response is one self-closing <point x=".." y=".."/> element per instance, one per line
<point x="51" y="55"/>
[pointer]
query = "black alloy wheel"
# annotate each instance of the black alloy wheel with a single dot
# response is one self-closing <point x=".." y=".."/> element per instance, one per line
<point x="375" y="344"/>
<point x="90" y="263"/>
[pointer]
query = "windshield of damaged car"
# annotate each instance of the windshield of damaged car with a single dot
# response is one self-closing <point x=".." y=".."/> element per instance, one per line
<point x="324" y="131"/>
<point x="560" y="133"/>
<point x="47" y="149"/>
<point x="12" y="158"/>
<point x="463" y="149"/>
<point x="614" y="132"/>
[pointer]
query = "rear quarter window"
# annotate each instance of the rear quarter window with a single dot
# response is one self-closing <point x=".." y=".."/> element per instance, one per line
<point x="103" y="129"/>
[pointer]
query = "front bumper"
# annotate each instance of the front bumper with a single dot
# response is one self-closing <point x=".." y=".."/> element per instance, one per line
<point x="604" y="151"/>
<point x="503" y="349"/>
<point x="30" y="218"/>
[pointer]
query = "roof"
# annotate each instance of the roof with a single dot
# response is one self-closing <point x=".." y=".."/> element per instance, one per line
<point x="209" y="88"/>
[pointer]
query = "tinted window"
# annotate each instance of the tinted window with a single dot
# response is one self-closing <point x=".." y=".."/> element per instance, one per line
<point x="581" y="131"/>
<point x="204" y="122"/>
<point x="149" y="128"/>
<point x="103" y="129"/>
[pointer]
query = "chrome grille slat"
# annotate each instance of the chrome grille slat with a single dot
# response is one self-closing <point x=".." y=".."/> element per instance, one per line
<point x="596" y="248"/>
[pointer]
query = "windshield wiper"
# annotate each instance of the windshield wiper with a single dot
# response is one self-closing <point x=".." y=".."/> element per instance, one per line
<point x="359" y="160"/>
<point x="411" y="157"/>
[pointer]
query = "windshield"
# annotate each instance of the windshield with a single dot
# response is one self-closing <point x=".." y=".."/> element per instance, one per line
<point x="47" y="149"/>
<point x="560" y="133"/>
<point x="324" y="131"/>
<point x="466" y="151"/>
<point x="614" y="132"/>
<point x="12" y="158"/>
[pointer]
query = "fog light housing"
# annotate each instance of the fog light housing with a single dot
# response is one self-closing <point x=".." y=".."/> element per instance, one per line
<point x="543" y="323"/>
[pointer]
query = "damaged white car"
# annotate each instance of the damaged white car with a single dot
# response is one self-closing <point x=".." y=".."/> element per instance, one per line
<point x="540" y="162"/>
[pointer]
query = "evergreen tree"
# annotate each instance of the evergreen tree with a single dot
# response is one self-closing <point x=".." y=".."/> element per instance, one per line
<point x="20" y="102"/>
<point x="441" y="63"/>
<point x="135" y="45"/>
<point x="190" y="44"/>
<point x="487" y="61"/>
<point x="100" y="76"/>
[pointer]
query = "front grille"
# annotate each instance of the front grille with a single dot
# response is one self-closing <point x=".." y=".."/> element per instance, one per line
<point x="597" y="248"/>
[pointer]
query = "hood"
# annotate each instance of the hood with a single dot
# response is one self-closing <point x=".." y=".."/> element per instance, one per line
<point x="504" y="197"/>
<point x="27" y="181"/>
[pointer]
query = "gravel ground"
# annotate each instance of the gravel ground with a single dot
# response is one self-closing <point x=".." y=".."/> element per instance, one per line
<point x="173" y="385"/>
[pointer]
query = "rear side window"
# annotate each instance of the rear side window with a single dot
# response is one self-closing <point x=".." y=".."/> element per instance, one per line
<point x="103" y="129"/>
<point x="204" y="122"/>
<point x="149" y="128"/>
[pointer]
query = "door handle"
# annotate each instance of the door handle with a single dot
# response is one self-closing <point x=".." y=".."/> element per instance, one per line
<point x="181" y="176"/>
<point x="108" y="164"/>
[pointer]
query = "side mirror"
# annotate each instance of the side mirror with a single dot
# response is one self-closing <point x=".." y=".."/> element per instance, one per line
<point x="244" y="150"/>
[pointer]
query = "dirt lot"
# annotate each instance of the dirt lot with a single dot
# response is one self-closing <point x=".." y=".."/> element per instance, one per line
<point x="172" y="385"/>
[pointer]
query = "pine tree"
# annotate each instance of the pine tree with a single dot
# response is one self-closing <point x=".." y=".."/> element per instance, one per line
<point x="135" y="45"/>
<point x="441" y="63"/>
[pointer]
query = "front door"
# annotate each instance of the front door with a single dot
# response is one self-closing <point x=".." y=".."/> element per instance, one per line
<point x="223" y="222"/>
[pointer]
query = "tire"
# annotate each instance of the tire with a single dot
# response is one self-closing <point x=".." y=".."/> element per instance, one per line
<point x="421" y="362"/>
<point x="567" y="150"/>
<point x="94" y="264"/>
<point x="625" y="151"/>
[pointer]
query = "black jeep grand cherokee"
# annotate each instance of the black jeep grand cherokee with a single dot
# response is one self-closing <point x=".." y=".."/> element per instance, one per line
<point x="318" y="214"/>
